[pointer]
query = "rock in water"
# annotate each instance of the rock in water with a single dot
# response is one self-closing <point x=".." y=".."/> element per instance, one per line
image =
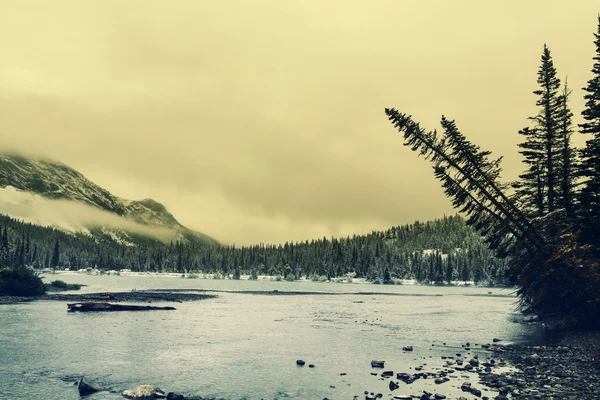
<point x="144" y="392"/>
<point x="87" y="386"/>
<point x="175" y="396"/>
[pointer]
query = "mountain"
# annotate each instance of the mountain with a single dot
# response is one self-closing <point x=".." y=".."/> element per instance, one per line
<point x="49" y="193"/>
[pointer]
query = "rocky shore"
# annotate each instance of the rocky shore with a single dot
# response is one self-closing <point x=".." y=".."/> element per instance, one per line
<point x="568" y="369"/>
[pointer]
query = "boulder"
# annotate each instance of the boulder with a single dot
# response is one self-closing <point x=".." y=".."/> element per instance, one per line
<point x="300" y="363"/>
<point x="175" y="396"/>
<point x="144" y="392"/>
<point x="87" y="386"/>
<point x="393" y="385"/>
<point x="377" y="364"/>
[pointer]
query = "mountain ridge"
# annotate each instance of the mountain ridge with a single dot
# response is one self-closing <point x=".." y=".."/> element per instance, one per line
<point x="56" y="181"/>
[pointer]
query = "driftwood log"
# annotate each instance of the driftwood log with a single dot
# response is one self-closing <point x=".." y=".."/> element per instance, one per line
<point x="97" y="307"/>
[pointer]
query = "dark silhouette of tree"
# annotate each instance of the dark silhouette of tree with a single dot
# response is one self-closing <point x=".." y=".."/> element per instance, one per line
<point x="538" y="190"/>
<point x="546" y="259"/>
<point x="567" y="155"/>
<point x="589" y="171"/>
<point x="55" y="260"/>
<point x="547" y="122"/>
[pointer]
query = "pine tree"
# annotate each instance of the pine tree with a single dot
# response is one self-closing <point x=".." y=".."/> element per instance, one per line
<point x="538" y="189"/>
<point x="567" y="156"/>
<point x="5" y="254"/>
<point x="55" y="260"/>
<point x="547" y="121"/>
<point x="589" y="196"/>
<point x="530" y="188"/>
<point x="449" y="268"/>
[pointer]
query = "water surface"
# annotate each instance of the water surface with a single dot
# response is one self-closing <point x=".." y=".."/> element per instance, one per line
<point x="242" y="345"/>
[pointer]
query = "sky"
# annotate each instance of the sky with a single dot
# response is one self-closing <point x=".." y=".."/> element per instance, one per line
<point x="263" y="121"/>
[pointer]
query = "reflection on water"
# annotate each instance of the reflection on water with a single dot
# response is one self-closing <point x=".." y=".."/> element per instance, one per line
<point x="242" y="345"/>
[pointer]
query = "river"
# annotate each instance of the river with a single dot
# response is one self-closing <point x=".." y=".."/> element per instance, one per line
<point x="244" y="345"/>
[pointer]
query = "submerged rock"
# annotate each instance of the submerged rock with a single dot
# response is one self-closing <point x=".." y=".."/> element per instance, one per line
<point x="144" y="392"/>
<point x="88" y="386"/>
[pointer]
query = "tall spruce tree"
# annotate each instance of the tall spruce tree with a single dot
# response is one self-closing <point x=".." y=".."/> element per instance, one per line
<point x="567" y="156"/>
<point x="589" y="171"/>
<point x="530" y="188"/>
<point x="538" y="192"/>
<point x="55" y="260"/>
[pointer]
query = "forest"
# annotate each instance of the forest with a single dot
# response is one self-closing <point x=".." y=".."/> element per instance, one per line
<point x="546" y="223"/>
<point x="441" y="251"/>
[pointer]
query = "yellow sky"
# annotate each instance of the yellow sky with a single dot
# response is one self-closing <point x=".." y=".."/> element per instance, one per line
<point x="262" y="121"/>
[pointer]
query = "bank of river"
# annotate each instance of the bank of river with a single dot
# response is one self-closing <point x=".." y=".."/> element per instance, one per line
<point x="244" y="342"/>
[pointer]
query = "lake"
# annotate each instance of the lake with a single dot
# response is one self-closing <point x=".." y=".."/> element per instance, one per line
<point x="244" y="345"/>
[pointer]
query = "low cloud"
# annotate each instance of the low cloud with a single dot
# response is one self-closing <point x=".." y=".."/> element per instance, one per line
<point x="71" y="216"/>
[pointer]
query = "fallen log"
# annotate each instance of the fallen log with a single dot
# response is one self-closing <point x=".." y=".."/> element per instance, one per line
<point x="97" y="307"/>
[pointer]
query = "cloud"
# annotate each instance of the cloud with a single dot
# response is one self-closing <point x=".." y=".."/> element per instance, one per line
<point x="263" y="121"/>
<point x="71" y="216"/>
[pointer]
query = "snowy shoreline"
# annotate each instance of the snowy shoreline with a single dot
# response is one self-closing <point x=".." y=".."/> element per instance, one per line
<point x="218" y="276"/>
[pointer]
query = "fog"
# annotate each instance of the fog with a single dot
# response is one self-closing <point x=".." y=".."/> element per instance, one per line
<point x="264" y="121"/>
<point x="72" y="216"/>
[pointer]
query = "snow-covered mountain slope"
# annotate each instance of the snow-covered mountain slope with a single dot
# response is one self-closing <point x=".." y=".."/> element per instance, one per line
<point x="52" y="194"/>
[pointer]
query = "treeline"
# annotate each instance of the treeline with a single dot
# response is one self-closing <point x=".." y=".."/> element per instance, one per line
<point x="440" y="251"/>
<point x="547" y="223"/>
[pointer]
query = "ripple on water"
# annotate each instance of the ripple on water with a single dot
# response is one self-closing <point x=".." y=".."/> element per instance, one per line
<point x="242" y="345"/>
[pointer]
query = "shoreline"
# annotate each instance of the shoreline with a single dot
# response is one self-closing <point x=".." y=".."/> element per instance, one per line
<point x="141" y="296"/>
<point x="568" y="369"/>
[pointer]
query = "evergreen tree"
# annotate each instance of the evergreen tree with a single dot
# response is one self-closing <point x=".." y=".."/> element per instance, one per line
<point x="547" y="121"/>
<point x="464" y="273"/>
<point x="55" y="260"/>
<point x="538" y="188"/>
<point x="4" y="247"/>
<point x="530" y="188"/>
<point x="439" y="268"/>
<point x="567" y="156"/>
<point x="589" y="196"/>
<point x="449" y="268"/>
